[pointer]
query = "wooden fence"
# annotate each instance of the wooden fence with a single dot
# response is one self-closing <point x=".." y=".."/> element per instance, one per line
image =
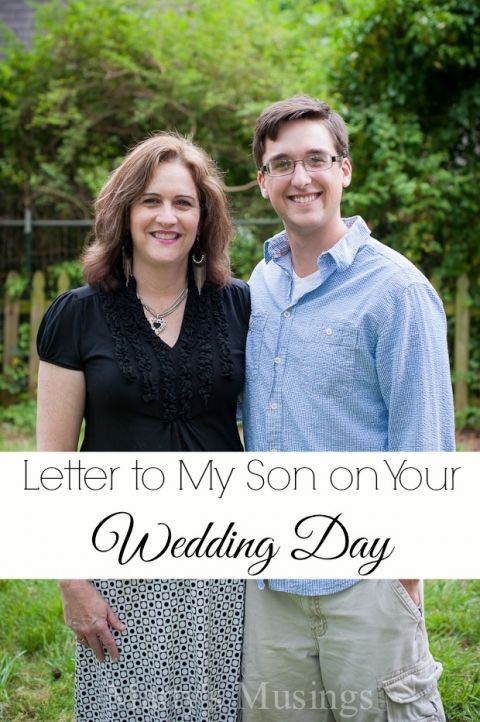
<point x="35" y="307"/>
<point x="13" y="310"/>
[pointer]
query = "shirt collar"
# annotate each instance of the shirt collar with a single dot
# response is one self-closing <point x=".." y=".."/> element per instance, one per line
<point x="342" y="253"/>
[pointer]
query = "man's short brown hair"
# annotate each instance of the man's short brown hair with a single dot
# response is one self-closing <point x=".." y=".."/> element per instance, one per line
<point x="299" y="107"/>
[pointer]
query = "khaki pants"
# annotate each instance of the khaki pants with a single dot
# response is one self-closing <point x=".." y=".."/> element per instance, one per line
<point x="361" y="654"/>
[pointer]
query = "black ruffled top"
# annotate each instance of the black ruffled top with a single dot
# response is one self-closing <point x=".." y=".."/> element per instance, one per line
<point x="141" y="393"/>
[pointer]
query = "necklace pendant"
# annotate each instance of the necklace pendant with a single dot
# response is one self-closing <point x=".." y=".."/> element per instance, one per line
<point x="157" y="320"/>
<point x="158" y="325"/>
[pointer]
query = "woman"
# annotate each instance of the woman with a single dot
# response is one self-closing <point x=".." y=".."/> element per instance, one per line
<point x="151" y="355"/>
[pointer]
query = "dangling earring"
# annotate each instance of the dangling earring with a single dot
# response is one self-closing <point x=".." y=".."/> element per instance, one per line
<point x="127" y="258"/>
<point x="199" y="262"/>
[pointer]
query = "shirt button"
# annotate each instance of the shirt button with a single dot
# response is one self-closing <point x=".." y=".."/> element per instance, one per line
<point x="329" y="331"/>
<point x="274" y="405"/>
<point x="286" y="314"/>
<point x="272" y="449"/>
<point x="277" y="360"/>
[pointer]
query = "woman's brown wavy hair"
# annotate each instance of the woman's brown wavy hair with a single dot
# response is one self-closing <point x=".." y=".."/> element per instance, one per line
<point x="102" y="259"/>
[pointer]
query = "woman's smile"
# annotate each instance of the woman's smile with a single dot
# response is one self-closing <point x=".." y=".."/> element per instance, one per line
<point x="165" y="237"/>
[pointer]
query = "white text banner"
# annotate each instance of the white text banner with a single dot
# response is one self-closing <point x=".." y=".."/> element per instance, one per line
<point x="264" y="515"/>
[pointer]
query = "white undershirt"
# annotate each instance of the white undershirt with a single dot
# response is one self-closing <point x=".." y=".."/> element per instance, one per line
<point x="301" y="286"/>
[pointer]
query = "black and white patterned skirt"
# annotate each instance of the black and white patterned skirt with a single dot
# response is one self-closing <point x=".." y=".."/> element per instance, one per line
<point x="180" y="656"/>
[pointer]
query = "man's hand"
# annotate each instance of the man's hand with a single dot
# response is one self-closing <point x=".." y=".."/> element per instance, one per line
<point x="90" y="617"/>
<point x="413" y="588"/>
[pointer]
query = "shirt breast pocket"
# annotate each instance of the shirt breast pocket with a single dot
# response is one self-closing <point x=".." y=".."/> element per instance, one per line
<point x="256" y="330"/>
<point x="327" y="358"/>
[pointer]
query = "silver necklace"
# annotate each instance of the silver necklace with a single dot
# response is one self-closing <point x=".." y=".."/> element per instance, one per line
<point x="157" y="320"/>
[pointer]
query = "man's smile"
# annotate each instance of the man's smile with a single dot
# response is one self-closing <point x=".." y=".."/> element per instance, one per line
<point x="305" y="198"/>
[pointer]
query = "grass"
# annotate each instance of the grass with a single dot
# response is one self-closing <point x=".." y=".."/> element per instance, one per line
<point x="453" y="614"/>
<point x="17" y="427"/>
<point x="36" y="654"/>
<point x="36" y="650"/>
<point x="7" y="664"/>
<point x="14" y="442"/>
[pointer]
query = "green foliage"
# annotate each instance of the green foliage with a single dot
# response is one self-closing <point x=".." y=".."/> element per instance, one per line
<point x="453" y="620"/>
<point x="101" y="76"/>
<point x="407" y="72"/>
<point x="468" y="418"/>
<point x="73" y="270"/>
<point x="245" y="252"/>
<point x="21" y="416"/>
<point x="15" y="286"/>
<point x="7" y="667"/>
<point x="14" y="379"/>
<point x="36" y="653"/>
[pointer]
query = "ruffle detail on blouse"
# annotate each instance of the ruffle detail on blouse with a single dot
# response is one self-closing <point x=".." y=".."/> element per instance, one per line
<point x="204" y="327"/>
<point x="110" y="309"/>
<point x="221" y="329"/>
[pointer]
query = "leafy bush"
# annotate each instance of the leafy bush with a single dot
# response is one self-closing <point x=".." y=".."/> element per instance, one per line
<point x="16" y="286"/>
<point x="245" y="253"/>
<point x="73" y="270"/>
<point x="468" y="418"/>
<point x="14" y="379"/>
<point x="21" y="416"/>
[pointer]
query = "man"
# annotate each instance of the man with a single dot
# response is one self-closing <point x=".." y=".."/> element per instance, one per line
<point x="346" y="352"/>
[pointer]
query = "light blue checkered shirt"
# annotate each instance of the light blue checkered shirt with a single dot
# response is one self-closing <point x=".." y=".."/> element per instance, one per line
<point x="359" y="363"/>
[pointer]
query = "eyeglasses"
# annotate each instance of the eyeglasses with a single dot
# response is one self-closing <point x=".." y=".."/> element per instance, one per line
<point x="311" y="163"/>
